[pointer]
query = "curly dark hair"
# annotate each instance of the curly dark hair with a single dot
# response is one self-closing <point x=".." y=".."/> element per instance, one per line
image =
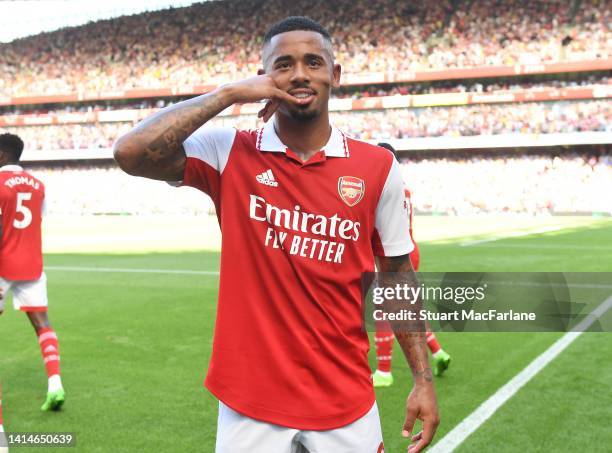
<point x="12" y="145"/>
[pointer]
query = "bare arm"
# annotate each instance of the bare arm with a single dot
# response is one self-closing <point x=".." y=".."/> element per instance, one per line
<point x="154" y="148"/>
<point x="411" y="339"/>
<point x="421" y="403"/>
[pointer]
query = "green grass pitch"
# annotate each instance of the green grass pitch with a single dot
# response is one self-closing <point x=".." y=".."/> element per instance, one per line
<point x="135" y="347"/>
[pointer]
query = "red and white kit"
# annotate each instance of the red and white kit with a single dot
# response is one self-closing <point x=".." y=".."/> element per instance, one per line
<point x="414" y="255"/>
<point x="289" y="347"/>
<point x="21" y="265"/>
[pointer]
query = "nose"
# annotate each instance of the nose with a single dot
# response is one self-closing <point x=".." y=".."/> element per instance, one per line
<point x="300" y="74"/>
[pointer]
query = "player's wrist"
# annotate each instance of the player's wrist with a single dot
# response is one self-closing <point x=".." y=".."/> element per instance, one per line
<point x="228" y="94"/>
<point x="423" y="378"/>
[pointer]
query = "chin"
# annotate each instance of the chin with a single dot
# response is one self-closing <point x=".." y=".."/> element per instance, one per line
<point x="304" y="115"/>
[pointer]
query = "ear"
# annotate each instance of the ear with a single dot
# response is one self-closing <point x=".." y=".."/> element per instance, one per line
<point x="260" y="72"/>
<point x="336" y="73"/>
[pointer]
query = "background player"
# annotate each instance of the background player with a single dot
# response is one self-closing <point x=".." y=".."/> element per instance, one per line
<point x="383" y="338"/>
<point x="21" y="266"/>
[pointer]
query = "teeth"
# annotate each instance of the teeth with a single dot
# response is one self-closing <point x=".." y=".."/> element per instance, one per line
<point x="302" y="95"/>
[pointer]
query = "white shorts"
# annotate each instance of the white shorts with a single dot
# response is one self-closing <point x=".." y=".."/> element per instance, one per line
<point x="3" y="442"/>
<point x="28" y="295"/>
<point x="237" y="433"/>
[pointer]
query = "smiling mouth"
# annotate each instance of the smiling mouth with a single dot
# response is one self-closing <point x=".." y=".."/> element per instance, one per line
<point x="302" y="95"/>
<point x="306" y="96"/>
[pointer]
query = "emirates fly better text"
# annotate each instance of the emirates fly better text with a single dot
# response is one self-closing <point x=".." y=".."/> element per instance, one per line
<point x="332" y="231"/>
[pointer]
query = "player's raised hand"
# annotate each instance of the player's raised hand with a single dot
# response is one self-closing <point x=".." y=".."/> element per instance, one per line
<point x="258" y="88"/>
<point x="421" y="404"/>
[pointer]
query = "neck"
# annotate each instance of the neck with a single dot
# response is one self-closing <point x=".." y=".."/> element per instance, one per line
<point x="305" y="138"/>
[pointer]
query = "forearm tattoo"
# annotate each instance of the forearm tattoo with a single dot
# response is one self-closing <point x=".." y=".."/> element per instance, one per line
<point x="164" y="133"/>
<point x="410" y="334"/>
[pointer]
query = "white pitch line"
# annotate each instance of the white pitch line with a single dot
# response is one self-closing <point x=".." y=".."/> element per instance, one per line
<point x="516" y="234"/>
<point x="548" y="246"/>
<point x="130" y="270"/>
<point x="473" y="421"/>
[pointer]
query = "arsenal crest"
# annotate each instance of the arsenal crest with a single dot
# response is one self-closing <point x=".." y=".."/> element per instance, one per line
<point x="351" y="189"/>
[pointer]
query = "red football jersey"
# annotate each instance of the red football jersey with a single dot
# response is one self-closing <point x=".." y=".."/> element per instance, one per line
<point x="289" y="344"/>
<point x="21" y="206"/>
<point x="415" y="257"/>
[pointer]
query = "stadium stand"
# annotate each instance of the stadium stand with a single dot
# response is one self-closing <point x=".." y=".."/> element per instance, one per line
<point x="557" y="85"/>
<point x="511" y="183"/>
<point x="104" y="189"/>
<point x="522" y="118"/>
<point x="466" y="77"/>
<point x="202" y="44"/>
<point x="533" y="184"/>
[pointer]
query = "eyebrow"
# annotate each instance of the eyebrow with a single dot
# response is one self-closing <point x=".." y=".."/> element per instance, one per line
<point x="315" y="56"/>
<point x="283" y="58"/>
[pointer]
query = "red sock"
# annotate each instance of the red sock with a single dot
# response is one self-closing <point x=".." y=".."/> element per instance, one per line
<point x="50" y="350"/>
<point x="383" y="338"/>
<point x="432" y="342"/>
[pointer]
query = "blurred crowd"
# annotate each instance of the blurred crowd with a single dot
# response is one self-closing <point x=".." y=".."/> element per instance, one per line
<point x="493" y="119"/>
<point x="218" y="41"/>
<point x="524" y="118"/>
<point x="467" y="86"/>
<point x="535" y="184"/>
<point x="459" y="184"/>
<point x="108" y="190"/>
<point x="69" y="136"/>
<point x="354" y="92"/>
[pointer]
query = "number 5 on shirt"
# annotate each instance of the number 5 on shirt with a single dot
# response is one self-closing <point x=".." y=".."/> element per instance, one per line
<point x="23" y="210"/>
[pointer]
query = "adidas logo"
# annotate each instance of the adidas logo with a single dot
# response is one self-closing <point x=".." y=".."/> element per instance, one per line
<point x="267" y="178"/>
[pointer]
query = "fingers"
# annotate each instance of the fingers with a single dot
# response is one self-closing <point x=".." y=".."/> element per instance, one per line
<point x="286" y="97"/>
<point x="408" y="423"/>
<point x="262" y="112"/>
<point x="424" y="438"/>
<point x="276" y="98"/>
<point x="268" y="110"/>
<point x="429" y="429"/>
<point x="419" y="446"/>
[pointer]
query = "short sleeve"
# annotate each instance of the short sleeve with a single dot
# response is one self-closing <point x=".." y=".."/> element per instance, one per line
<point x="207" y="150"/>
<point x="392" y="217"/>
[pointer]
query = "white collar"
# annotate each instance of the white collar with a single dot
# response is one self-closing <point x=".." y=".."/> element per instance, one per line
<point x="11" y="168"/>
<point x="268" y="140"/>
